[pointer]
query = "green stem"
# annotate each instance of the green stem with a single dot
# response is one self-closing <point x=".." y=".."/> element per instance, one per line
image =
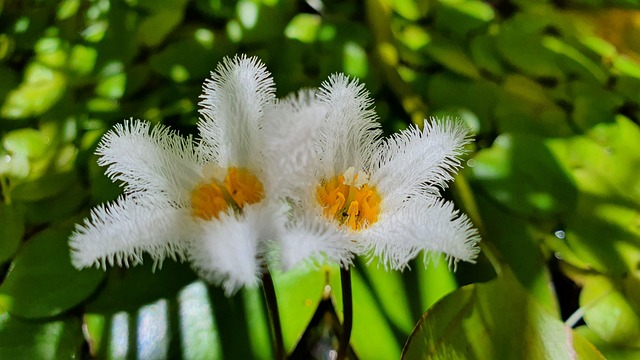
<point x="272" y="304"/>
<point x="347" y="312"/>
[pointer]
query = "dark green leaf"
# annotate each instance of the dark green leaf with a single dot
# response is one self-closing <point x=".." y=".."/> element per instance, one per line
<point x="42" y="282"/>
<point x="496" y="320"/>
<point x="520" y="173"/>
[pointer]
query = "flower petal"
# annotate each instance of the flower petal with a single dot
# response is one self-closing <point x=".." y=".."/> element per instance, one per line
<point x="291" y="127"/>
<point x="155" y="163"/>
<point x="120" y="232"/>
<point x="432" y="226"/>
<point x="311" y="238"/>
<point x="233" y="102"/>
<point x="226" y="251"/>
<point x="415" y="162"/>
<point x="351" y="132"/>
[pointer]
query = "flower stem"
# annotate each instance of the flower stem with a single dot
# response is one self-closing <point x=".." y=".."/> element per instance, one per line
<point x="272" y="304"/>
<point x="347" y="312"/>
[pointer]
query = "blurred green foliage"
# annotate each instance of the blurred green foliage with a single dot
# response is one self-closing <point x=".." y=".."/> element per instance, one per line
<point x="551" y="88"/>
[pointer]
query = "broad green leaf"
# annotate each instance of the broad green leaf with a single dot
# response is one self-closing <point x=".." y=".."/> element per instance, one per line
<point x="411" y="9"/>
<point x="26" y="142"/>
<point x="484" y="54"/>
<point x="593" y="104"/>
<point x="434" y="281"/>
<point x="525" y="51"/>
<point x="42" y="88"/>
<point x="42" y="282"/>
<point x="44" y="187"/>
<point x="495" y="320"/>
<point x="165" y="16"/>
<point x="390" y="290"/>
<point x="610" y="313"/>
<point x="515" y="239"/>
<point x="520" y="173"/>
<point x="452" y="56"/>
<point x="603" y="231"/>
<point x="82" y="59"/>
<point x="463" y="17"/>
<point x="67" y="9"/>
<point x="525" y="107"/>
<point x="609" y="351"/>
<point x="67" y="203"/>
<point x="299" y="293"/>
<point x="11" y="231"/>
<point x="303" y="27"/>
<point x="574" y="62"/>
<point x="52" y="340"/>
<point x="447" y="92"/>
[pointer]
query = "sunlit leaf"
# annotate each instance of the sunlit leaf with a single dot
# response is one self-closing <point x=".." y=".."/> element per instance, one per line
<point x="42" y="282"/>
<point x="496" y="320"/>
<point x="520" y="172"/>
<point x="609" y="312"/>
<point x="23" y="339"/>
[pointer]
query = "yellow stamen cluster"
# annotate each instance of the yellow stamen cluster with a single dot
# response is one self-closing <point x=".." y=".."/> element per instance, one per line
<point x="238" y="188"/>
<point x="349" y="201"/>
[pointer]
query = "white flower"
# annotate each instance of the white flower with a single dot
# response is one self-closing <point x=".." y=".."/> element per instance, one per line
<point x="361" y="194"/>
<point x="209" y="201"/>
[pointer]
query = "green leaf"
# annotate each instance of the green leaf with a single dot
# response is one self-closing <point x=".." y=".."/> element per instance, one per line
<point x="452" y="56"/>
<point x="603" y="230"/>
<point x="520" y="45"/>
<point x="496" y="320"/>
<point x="44" y="187"/>
<point x="609" y="351"/>
<point x="593" y="104"/>
<point x="11" y="231"/>
<point x="484" y="54"/>
<point x="42" y="89"/>
<point x="434" y="281"/>
<point x="26" y="142"/>
<point x="389" y="290"/>
<point x="447" y="92"/>
<point x="42" y="282"/>
<point x="22" y="339"/>
<point x="574" y="62"/>
<point x="609" y="313"/>
<point x="303" y="27"/>
<point x="520" y="173"/>
<point x="299" y="293"/>
<point x="463" y="17"/>
<point x="178" y="315"/>
<point x="516" y="241"/>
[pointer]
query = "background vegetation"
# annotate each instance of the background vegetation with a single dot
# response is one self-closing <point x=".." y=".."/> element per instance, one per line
<point x="552" y="89"/>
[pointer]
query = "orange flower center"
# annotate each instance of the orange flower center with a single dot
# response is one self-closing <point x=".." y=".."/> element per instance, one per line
<point x="351" y="202"/>
<point x="238" y="188"/>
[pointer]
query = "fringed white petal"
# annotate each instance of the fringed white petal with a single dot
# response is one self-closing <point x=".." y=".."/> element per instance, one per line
<point x="226" y="251"/>
<point x="291" y="127"/>
<point x="351" y="132"/>
<point x="156" y="162"/>
<point x="432" y="226"/>
<point x="120" y="232"/>
<point x="415" y="162"/>
<point x="313" y="239"/>
<point x="233" y="102"/>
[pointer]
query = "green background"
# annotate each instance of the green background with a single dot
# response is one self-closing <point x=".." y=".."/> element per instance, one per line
<point x="551" y="89"/>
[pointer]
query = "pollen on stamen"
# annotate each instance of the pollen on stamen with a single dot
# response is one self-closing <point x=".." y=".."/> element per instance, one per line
<point x="238" y="188"/>
<point x="243" y="186"/>
<point x="208" y="200"/>
<point x="352" y="203"/>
